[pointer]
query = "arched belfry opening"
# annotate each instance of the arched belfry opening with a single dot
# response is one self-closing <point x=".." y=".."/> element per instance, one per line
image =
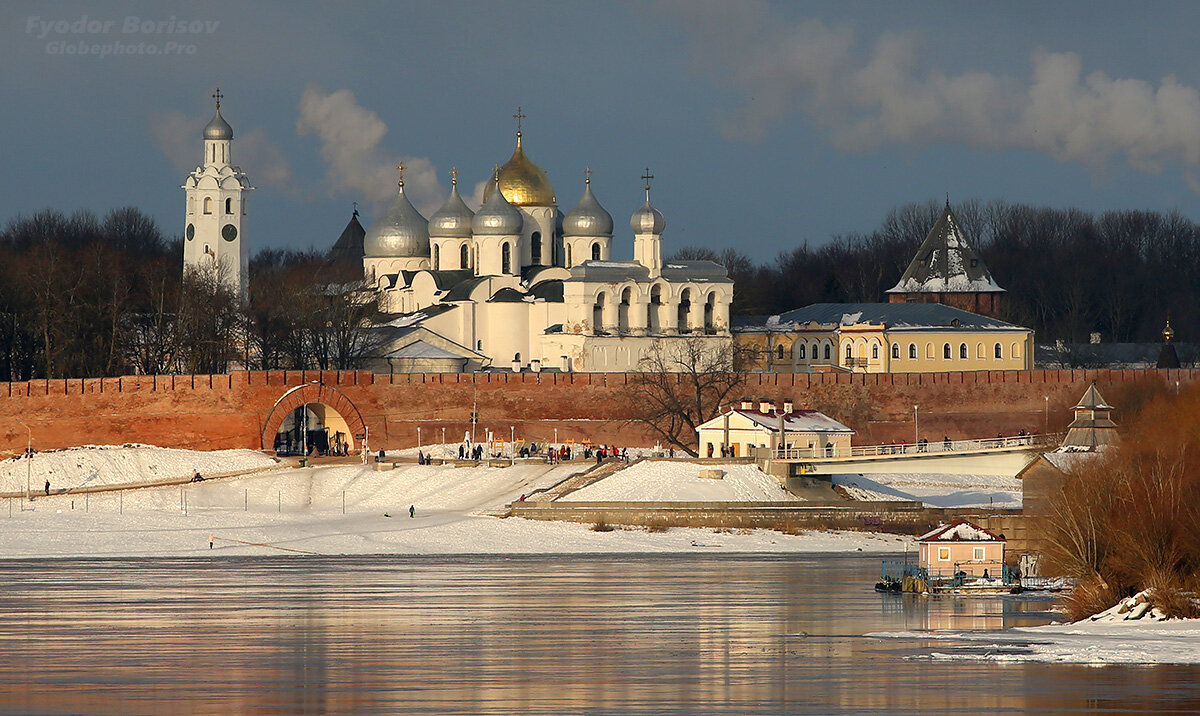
<point x="314" y="417"/>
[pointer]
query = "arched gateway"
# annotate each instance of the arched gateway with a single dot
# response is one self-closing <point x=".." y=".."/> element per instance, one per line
<point x="319" y="400"/>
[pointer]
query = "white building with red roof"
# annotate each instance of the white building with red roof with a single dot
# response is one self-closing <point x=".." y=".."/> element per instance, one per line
<point x="737" y="431"/>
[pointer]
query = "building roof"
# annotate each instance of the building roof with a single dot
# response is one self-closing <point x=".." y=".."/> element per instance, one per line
<point x="421" y="349"/>
<point x="892" y="316"/>
<point x="345" y="259"/>
<point x="698" y="271"/>
<point x="960" y="531"/>
<point x="550" y="291"/>
<point x="1092" y="400"/>
<point x="946" y="263"/>
<point x="800" y="421"/>
<point x="507" y="295"/>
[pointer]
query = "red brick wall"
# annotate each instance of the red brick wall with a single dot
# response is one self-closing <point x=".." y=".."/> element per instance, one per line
<point x="222" y="411"/>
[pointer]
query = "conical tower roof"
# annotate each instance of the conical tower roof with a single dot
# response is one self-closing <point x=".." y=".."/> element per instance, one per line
<point x="1092" y="400"/>
<point x="345" y="261"/>
<point x="946" y="263"/>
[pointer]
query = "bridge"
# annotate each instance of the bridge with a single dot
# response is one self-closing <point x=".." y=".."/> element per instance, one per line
<point x="1004" y="455"/>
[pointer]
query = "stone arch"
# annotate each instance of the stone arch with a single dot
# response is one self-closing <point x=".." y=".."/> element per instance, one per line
<point x="314" y="392"/>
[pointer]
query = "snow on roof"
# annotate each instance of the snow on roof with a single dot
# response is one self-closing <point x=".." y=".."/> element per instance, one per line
<point x="421" y="349"/>
<point x="893" y="316"/>
<point x="959" y="531"/>
<point x="806" y="421"/>
<point x="946" y="263"/>
<point x="1065" y="458"/>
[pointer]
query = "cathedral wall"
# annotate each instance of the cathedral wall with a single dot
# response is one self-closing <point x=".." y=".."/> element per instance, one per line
<point x="228" y="411"/>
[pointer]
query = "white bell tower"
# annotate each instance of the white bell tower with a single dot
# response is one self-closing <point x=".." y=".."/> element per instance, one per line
<point x="216" y="210"/>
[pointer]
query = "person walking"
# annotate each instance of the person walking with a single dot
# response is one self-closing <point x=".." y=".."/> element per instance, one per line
<point x="412" y="511"/>
<point x="210" y="541"/>
<point x="47" y="488"/>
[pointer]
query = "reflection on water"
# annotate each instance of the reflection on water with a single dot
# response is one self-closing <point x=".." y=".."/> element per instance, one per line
<point x="528" y="635"/>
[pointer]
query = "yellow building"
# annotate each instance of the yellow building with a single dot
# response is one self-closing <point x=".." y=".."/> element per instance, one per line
<point x="881" y="338"/>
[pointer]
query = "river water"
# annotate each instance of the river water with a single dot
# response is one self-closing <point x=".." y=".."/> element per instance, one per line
<point x="613" y="634"/>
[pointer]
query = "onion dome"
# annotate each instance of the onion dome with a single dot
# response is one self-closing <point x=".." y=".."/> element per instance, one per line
<point x="400" y="232"/>
<point x="218" y="128"/>
<point x="588" y="218"/>
<point x="497" y="217"/>
<point x="522" y="182"/>
<point x="647" y="220"/>
<point x="453" y="220"/>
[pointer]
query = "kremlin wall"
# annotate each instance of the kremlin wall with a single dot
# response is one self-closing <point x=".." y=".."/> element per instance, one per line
<point x="245" y="409"/>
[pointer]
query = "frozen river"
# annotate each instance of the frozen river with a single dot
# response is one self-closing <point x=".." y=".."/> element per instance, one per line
<point x="661" y="634"/>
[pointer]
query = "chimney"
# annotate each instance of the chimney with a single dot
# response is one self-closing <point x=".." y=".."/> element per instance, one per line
<point x="516" y="366"/>
<point x="565" y="364"/>
<point x="747" y="404"/>
<point x="765" y="406"/>
<point x="787" y="406"/>
<point x="535" y="366"/>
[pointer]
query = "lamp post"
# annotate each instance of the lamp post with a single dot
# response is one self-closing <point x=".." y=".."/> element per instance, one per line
<point x="512" y="448"/>
<point x="1046" y="417"/>
<point x="443" y="436"/>
<point x="304" y="429"/>
<point x="916" y="427"/>
<point x="28" y="457"/>
<point x="418" y="440"/>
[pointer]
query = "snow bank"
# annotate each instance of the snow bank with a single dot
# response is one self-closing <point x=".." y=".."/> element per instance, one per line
<point x="661" y="481"/>
<point x="935" y="490"/>
<point x="93" y="465"/>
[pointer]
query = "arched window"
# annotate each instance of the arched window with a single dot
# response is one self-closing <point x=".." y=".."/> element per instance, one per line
<point x="568" y="256"/>
<point x="506" y="258"/>
<point x="598" y="314"/>
<point x="826" y="351"/>
<point x="684" y="312"/>
<point x="535" y="243"/>
<point x="962" y="351"/>
<point x="596" y="251"/>
<point x="710" y="306"/>
<point x="946" y="351"/>
<point x="229" y="206"/>
<point x="623" y="311"/>
<point x="912" y="351"/>
<point x="980" y="351"/>
<point x="208" y="205"/>
<point x="1015" y="351"/>
<point x="437" y="257"/>
<point x="895" y="351"/>
<point x="999" y="352"/>
<point x="779" y="352"/>
<point x="874" y="351"/>
<point x="929" y="350"/>
<point x="849" y="352"/>
<point x="463" y="257"/>
<point x="800" y="351"/>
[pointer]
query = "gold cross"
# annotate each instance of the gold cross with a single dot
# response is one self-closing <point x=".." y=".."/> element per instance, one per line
<point x="217" y="96"/>
<point x="400" y="168"/>
<point x="519" y="116"/>
<point x="587" y="175"/>
<point x="496" y="173"/>
<point x="454" y="176"/>
<point x="647" y="177"/>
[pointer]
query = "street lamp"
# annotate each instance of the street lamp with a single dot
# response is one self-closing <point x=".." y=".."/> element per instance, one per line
<point x="512" y="449"/>
<point x="916" y="427"/>
<point x="418" y="440"/>
<point x="304" y="429"/>
<point x="1046" y="418"/>
<point x="28" y="457"/>
<point x="443" y="437"/>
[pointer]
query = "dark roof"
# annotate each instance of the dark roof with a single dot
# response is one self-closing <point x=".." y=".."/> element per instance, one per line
<point x="507" y="295"/>
<point x="462" y="290"/>
<point x="550" y="291"/>
<point x="345" y="259"/>
<point x="946" y="263"/>
<point x="892" y="315"/>
<point x="447" y="278"/>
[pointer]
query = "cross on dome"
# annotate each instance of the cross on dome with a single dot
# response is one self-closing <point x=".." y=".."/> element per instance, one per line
<point x="646" y="177"/>
<point x="400" y="168"/>
<point x="218" y="96"/>
<point x="454" y="176"/>
<point x="519" y="116"/>
<point x="587" y="175"/>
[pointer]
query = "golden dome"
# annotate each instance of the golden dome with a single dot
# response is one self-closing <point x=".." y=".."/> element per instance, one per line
<point x="522" y="182"/>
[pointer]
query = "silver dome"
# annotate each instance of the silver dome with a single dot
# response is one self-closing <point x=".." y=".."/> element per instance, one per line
<point x="453" y="220"/>
<point x="497" y="217"/>
<point x="647" y="220"/>
<point x="400" y="232"/>
<point x="218" y="128"/>
<point x="588" y="218"/>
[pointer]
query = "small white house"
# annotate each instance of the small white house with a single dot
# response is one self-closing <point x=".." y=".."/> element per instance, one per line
<point x="962" y="547"/>
<point x="738" y="430"/>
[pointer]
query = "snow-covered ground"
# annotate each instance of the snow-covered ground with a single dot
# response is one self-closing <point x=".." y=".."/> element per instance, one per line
<point x="935" y="490"/>
<point x="301" y="511"/>
<point x="96" y="465"/>
<point x="658" y="480"/>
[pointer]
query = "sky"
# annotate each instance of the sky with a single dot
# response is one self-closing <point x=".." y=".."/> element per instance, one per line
<point x="765" y="124"/>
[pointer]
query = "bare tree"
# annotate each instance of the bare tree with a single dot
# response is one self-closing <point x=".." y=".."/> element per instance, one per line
<point x="682" y="382"/>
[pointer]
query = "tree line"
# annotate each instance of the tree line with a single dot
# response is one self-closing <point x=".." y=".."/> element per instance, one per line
<point x="1068" y="273"/>
<point x="82" y="296"/>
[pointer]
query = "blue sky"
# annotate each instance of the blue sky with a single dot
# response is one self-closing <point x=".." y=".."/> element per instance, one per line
<point x="765" y="124"/>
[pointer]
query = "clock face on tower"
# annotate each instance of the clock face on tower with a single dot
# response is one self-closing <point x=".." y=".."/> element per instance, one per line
<point x="191" y="232"/>
<point x="229" y="232"/>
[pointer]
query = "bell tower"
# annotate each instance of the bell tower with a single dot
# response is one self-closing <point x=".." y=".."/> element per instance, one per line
<point x="216" y="210"/>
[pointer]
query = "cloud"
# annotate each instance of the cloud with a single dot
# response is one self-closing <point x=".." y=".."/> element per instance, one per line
<point x="883" y="95"/>
<point x="179" y="138"/>
<point x="351" y="138"/>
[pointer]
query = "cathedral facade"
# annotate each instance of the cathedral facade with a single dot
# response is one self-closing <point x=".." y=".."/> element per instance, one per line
<point x="519" y="285"/>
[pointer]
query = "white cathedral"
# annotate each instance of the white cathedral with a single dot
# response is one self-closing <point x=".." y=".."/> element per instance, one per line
<point x="516" y="285"/>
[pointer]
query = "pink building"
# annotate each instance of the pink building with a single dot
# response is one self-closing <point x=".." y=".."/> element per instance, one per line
<point x="962" y="547"/>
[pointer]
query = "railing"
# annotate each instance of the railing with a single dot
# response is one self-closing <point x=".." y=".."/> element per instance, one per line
<point x="940" y="446"/>
<point x="894" y="571"/>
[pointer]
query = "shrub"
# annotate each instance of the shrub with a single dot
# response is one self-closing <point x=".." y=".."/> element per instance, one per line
<point x="601" y="526"/>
